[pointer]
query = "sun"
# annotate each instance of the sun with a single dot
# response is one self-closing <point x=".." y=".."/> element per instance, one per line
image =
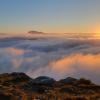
<point x="97" y="30"/>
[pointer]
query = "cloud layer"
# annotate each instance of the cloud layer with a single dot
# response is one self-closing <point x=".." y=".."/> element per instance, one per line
<point x="55" y="57"/>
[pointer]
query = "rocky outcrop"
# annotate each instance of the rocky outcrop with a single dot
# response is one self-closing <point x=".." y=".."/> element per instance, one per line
<point x="44" y="80"/>
<point x="68" y="80"/>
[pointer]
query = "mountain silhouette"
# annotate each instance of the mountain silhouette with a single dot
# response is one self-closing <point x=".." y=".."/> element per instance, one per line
<point x="35" y="32"/>
<point x="19" y="86"/>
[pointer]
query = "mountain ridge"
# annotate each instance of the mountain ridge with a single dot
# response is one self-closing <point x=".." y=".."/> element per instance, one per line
<point x="19" y="86"/>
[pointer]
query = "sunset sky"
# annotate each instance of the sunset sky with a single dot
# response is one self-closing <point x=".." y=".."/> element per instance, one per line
<point x="52" y="16"/>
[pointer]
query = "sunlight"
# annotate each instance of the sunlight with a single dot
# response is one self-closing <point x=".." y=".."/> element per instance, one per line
<point x="97" y="30"/>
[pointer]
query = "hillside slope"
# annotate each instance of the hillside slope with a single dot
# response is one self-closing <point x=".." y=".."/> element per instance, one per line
<point x="19" y="86"/>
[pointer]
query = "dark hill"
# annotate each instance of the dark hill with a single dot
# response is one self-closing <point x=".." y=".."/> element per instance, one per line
<point x="19" y="86"/>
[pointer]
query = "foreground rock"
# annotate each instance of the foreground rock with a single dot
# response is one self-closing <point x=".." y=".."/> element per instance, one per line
<point x="19" y="86"/>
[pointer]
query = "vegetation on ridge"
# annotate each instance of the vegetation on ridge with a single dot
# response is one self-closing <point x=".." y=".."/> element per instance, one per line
<point x="19" y="86"/>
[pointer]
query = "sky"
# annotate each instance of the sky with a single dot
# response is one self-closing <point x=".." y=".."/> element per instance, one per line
<point x="51" y="16"/>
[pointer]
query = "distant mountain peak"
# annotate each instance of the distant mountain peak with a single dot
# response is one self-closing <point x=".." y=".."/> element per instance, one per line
<point x="35" y="32"/>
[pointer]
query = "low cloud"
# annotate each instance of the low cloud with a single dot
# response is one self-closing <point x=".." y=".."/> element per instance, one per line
<point x="56" y="57"/>
<point x="77" y="65"/>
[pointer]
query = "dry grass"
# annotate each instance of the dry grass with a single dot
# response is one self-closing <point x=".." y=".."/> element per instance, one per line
<point x="13" y="88"/>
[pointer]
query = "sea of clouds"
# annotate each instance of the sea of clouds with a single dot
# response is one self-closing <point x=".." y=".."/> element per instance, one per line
<point x="53" y="56"/>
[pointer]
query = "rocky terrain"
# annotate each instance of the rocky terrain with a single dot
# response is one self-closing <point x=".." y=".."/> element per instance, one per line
<point x="19" y="86"/>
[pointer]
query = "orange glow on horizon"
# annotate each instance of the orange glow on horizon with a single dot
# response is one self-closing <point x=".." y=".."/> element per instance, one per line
<point x="96" y="29"/>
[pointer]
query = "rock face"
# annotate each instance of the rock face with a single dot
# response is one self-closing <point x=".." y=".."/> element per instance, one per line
<point x="19" y="86"/>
